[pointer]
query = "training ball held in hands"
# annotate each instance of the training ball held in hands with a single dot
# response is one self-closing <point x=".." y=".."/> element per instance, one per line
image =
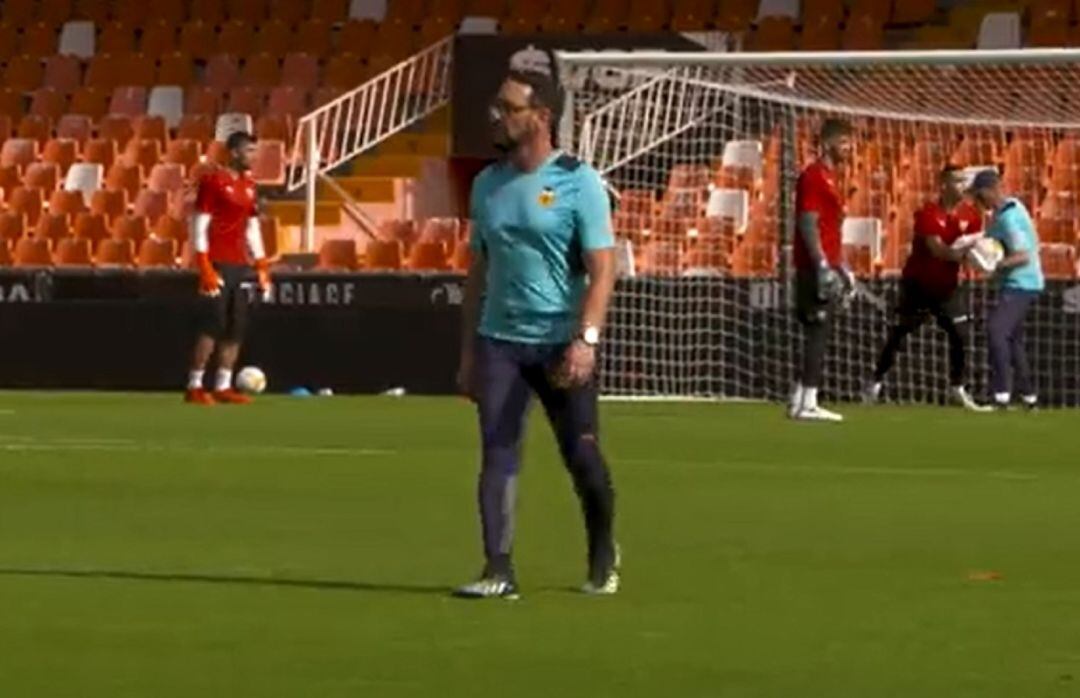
<point x="986" y="254"/>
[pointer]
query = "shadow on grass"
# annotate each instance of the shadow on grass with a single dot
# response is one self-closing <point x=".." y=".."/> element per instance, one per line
<point x="225" y="579"/>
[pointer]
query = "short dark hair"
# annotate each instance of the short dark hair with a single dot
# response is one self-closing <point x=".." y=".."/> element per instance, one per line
<point x="545" y="92"/>
<point x="238" y="139"/>
<point x="834" y="128"/>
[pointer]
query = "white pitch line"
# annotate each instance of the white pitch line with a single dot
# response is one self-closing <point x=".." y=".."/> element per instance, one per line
<point x="835" y="470"/>
<point x="127" y="446"/>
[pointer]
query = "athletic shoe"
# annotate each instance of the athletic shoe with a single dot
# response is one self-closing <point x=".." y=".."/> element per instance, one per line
<point x="199" y="396"/>
<point x="606" y="583"/>
<point x="961" y="397"/>
<point x="495" y="587"/>
<point x="871" y="393"/>
<point x="1031" y="403"/>
<point x="817" y="414"/>
<point x="229" y="396"/>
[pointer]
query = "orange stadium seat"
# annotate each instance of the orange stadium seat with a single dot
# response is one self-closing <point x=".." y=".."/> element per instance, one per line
<point x="1049" y="22"/>
<point x="735" y="15"/>
<point x="337" y="255"/>
<point x="409" y="13"/>
<point x="130" y="228"/>
<point x="36" y="127"/>
<point x="11" y="102"/>
<point x="324" y="95"/>
<point x="5" y="127"/>
<point x="437" y="28"/>
<point x="172" y="228"/>
<point x="217" y="153"/>
<point x="159" y="39"/>
<point x="38" y="40"/>
<point x="273" y="126"/>
<point x="485" y="8"/>
<point x="820" y="33"/>
<point x="461" y="257"/>
<point x="176" y="68"/>
<point x="222" y="72"/>
<point x="126" y="178"/>
<point x="63" y="73"/>
<point x="1058" y="261"/>
<point x="101" y="151"/>
<point x="288" y="101"/>
<point x="253" y="11"/>
<point x="10" y="178"/>
<point x="6" y="257"/>
<point x="12" y="226"/>
<point x="142" y="14"/>
<point x="198" y="39"/>
<point x="128" y="101"/>
<point x="237" y="38"/>
<point x="9" y="36"/>
<point x="648" y="16"/>
<point x="116" y="128"/>
<point x="246" y="100"/>
<point x="313" y="37"/>
<point x="607" y="16"/>
<point x="691" y="15"/>
<point x="201" y="101"/>
<point x="23" y="73"/>
<point x="261" y="70"/>
<point x="269" y="162"/>
<point x="144" y="154"/>
<point x="91" y="226"/>
<point x="300" y="70"/>
<point x="151" y="128"/>
<point x="275" y="37"/>
<point x="196" y="127"/>
<point x="19" y="12"/>
<point x="62" y="152"/>
<point x="210" y="11"/>
<point x="72" y="252"/>
<point x="394" y="40"/>
<point x="166" y="177"/>
<point x="833" y="10"/>
<point x="95" y="10"/>
<point x="357" y="38"/>
<point x="183" y="152"/>
<point x="774" y="34"/>
<point x="111" y="204"/>
<point x="157" y="254"/>
<point x="42" y="175"/>
<point x="383" y="255"/>
<point x="908" y="12"/>
<point x="48" y="102"/>
<point x="150" y="205"/>
<point x="28" y="202"/>
<point x="105" y="71"/>
<point x="89" y="101"/>
<point x="330" y="11"/>
<point x="877" y="10"/>
<point x="344" y="71"/>
<point x="116" y="37"/>
<point x="427" y="256"/>
<point x="32" y="252"/>
<point x="863" y="34"/>
<point x="115" y="253"/>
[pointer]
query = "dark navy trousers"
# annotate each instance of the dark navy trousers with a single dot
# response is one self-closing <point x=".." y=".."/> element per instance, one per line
<point x="1006" y="335"/>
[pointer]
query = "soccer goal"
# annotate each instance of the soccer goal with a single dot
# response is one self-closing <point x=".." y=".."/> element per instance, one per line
<point x="704" y="150"/>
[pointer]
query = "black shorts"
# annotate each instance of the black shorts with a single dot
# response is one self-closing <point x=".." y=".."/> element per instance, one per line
<point x="810" y="309"/>
<point x="224" y="317"/>
<point x="917" y="303"/>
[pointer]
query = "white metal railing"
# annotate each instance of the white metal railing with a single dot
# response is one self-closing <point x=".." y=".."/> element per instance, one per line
<point x="358" y="120"/>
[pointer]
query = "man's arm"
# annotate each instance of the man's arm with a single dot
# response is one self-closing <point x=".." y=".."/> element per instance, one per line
<point x="600" y="264"/>
<point x="809" y="230"/>
<point x="942" y="251"/>
<point x="475" y="282"/>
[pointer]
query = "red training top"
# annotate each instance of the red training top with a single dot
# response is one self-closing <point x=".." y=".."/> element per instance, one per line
<point x="816" y="192"/>
<point x="230" y="200"/>
<point x="939" y="276"/>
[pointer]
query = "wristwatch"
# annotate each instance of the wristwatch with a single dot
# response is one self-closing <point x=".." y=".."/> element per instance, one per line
<point x="590" y="334"/>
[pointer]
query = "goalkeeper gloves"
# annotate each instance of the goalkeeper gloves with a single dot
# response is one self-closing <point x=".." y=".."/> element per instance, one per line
<point x="209" y="281"/>
<point x="826" y="282"/>
<point x="262" y="269"/>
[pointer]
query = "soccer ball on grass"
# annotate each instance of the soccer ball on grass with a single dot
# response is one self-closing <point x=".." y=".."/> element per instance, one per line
<point x="251" y="380"/>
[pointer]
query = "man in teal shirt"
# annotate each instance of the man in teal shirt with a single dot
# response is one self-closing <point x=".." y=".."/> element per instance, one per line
<point x="536" y="298"/>
<point x="1020" y="279"/>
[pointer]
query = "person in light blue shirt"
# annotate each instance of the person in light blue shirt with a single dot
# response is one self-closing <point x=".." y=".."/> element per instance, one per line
<point x="536" y="297"/>
<point x="1020" y="279"/>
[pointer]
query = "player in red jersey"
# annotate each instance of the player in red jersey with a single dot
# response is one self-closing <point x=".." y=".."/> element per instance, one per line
<point x="228" y="243"/>
<point x="820" y="273"/>
<point x="931" y="279"/>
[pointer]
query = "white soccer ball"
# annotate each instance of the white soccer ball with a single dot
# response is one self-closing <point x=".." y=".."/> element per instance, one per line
<point x="251" y="380"/>
<point x="986" y="254"/>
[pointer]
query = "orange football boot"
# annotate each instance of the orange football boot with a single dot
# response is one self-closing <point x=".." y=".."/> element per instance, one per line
<point x="199" y="396"/>
<point x="231" y="396"/>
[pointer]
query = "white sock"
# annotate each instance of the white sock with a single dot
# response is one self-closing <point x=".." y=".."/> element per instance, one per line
<point x="224" y="379"/>
<point x="195" y="379"/>
<point x="797" y="397"/>
<point x="1001" y="398"/>
<point x="1030" y="399"/>
<point x="809" y="399"/>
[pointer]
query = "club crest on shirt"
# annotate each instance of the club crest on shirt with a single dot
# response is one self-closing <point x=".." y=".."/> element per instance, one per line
<point x="547" y="197"/>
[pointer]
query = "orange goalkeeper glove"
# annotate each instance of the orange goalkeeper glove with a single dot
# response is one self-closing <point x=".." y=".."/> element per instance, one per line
<point x="209" y="281"/>
<point x="262" y="269"/>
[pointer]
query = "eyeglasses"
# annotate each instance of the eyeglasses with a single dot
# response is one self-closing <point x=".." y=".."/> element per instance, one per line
<point x="504" y="108"/>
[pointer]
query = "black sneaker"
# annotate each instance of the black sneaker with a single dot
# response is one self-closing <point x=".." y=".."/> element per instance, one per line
<point x="489" y="587"/>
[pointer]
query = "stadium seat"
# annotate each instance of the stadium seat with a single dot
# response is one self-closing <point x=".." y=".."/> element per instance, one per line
<point x="275" y="37"/>
<point x="300" y="70"/>
<point x="150" y="204"/>
<point x="269" y="163"/>
<point x="111" y="204"/>
<point x="909" y="12"/>
<point x="820" y="33"/>
<point x="84" y="178"/>
<point x="288" y="101"/>
<point x="101" y="151"/>
<point x="273" y="126"/>
<point x="216" y="154"/>
<point x="42" y="175"/>
<point x="236" y="38"/>
<point x="105" y="71"/>
<point x="368" y="9"/>
<point x="437" y="28"/>
<point x="40" y="40"/>
<point x="210" y="11"/>
<point x="222" y="72"/>
<point x="171" y="227"/>
<point x="691" y="15"/>
<point x="35" y="127"/>
<point x="166" y="177"/>
<point x="63" y="152"/>
<point x="183" y="152"/>
<point x="175" y="69"/>
<point x="23" y="73"/>
<point x="648" y="16"/>
<point x="91" y="226"/>
<point x="93" y="10"/>
<point x="357" y="37"/>
<point x="63" y="73"/>
<point x="337" y="255"/>
<point x="32" y="252"/>
<point x="774" y="34"/>
<point x="383" y="255"/>
<point x="6" y="257"/>
<point x="128" y="101"/>
<point x="126" y="178"/>
<point x="461" y="258"/>
<point x="198" y="38"/>
<point x="90" y="102"/>
<point x="11" y="103"/>
<point x="114" y="252"/>
<point x="19" y="12"/>
<point x="10" y="178"/>
<point x="1000" y="30"/>
<point x="246" y="100"/>
<point x="253" y="11"/>
<point x="330" y="11"/>
<point x="1049" y="22"/>
<point x="159" y="40"/>
<point x="116" y="128"/>
<point x="324" y="95"/>
<point x="314" y="37"/>
<point x="9" y="37"/>
<point x="140" y="13"/>
<point x="261" y="70"/>
<point x="344" y="71"/>
<point x="428" y="256"/>
<point x="72" y="252"/>
<point x="52" y="226"/>
<point x="203" y="101"/>
<point x="130" y="228"/>
<point x="12" y="226"/>
<point x="167" y="102"/>
<point x="116" y="37"/>
<point x="396" y="40"/>
<point x="231" y="122"/>
<point x="143" y="154"/>
<point x="1058" y="261"/>
<point x="19" y="152"/>
<point x="157" y="254"/>
<point x="28" y="202"/>
<point x="735" y="15"/>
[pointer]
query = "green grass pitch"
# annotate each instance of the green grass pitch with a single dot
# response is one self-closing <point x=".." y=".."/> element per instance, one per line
<point x="305" y="547"/>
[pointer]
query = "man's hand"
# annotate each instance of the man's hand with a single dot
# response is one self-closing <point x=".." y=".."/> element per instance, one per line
<point x="209" y="281"/>
<point x="262" y="269"/>
<point x="466" y="379"/>
<point x="577" y="366"/>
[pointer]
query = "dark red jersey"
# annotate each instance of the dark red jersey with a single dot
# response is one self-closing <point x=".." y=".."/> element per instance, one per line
<point x="817" y="192"/>
<point x="939" y="276"/>
<point x="230" y="199"/>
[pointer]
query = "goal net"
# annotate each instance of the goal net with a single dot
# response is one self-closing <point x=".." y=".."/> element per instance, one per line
<point x="704" y="150"/>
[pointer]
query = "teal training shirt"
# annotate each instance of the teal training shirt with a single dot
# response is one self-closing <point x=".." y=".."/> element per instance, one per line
<point x="1013" y="228"/>
<point x="533" y="228"/>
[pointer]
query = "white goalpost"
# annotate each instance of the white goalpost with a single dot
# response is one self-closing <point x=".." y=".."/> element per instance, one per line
<point x="704" y="150"/>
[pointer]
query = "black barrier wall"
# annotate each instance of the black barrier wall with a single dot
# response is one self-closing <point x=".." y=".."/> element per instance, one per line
<point x="367" y="333"/>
